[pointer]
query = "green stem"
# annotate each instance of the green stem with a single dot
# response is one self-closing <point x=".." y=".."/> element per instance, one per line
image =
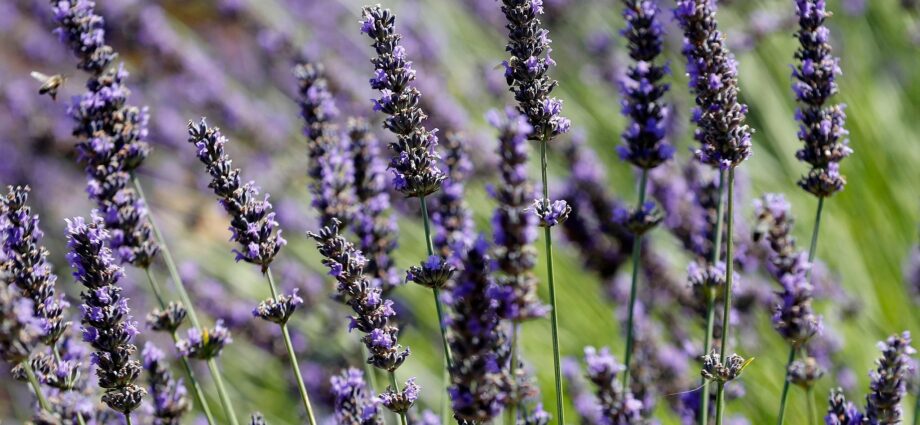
<point x="812" y="411"/>
<point x="293" y="356"/>
<point x="554" y="313"/>
<point x="727" y="293"/>
<point x="222" y="392"/>
<point x="720" y="403"/>
<point x="812" y="250"/>
<point x="57" y="358"/>
<point x="128" y="418"/>
<point x="436" y="292"/>
<point x="636" y="254"/>
<point x="196" y="387"/>
<point x="785" y="394"/>
<point x="402" y="416"/>
<point x="710" y="306"/>
<point x="42" y="401"/>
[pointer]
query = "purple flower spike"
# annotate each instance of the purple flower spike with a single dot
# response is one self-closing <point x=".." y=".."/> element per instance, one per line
<point x="821" y="125"/>
<point x="725" y="139"/>
<point x="107" y="324"/>
<point x="889" y="381"/>
<point x="614" y="406"/>
<point x="170" y="398"/>
<point x="252" y="221"/>
<point x="354" y="402"/>
<point x="400" y="401"/>
<point x="450" y="216"/>
<point x="20" y="331"/>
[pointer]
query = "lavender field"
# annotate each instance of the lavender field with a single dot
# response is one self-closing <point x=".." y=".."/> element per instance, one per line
<point x="460" y="211"/>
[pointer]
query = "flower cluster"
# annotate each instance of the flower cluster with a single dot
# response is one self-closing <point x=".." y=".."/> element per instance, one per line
<point x="24" y="261"/>
<point x="107" y="324"/>
<point x="205" y="343"/>
<point x="168" y="319"/>
<point x="414" y="161"/>
<point x="644" y="143"/>
<point x="714" y="369"/>
<point x="840" y="411"/>
<point x="479" y="378"/>
<point x="526" y="70"/>
<point x="400" y="401"/>
<point x="551" y="213"/>
<point x="170" y="398"/>
<point x="804" y="373"/>
<point x="111" y="132"/>
<point x="794" y="317"/>
<point x="452" y="220"/>
<point x="372" y="312"/>
<point x="514" y="229"/>
<point x="821" y="126"/>
<point x="280" y="309"/>
<point x="20" y="331"/>
<point x="354" y="404"/>
<point x="252" y="220"/>
<point x="725" y="139"/>
<point x="613" y="405"/>
<point x="375" y="230"/>
<point x="638" y="220"/>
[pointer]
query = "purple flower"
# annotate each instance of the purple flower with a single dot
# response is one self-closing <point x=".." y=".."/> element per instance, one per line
<point x="252" y="221"/>
<point x="526" y="70"/>
<point x="205" y="344"/>
<point x="170" y="398"/>
<point x="20" y="331"/>
<point x="280" y="309"/>
<point x="644" y="143"/>
<point x="24" y="260"/>
<point x="109" y="329"/>
<point x="616" y="408"/>
<point x="451" y="218"/>
<point x="433" y="273"/>
<point x="551" y="213"/>
<point x="889" y="381"/>
<point x="821" y="126"/>
<point x="479" y="380"/>
<point x="400" y="401"/>
<point x="414" y="161"/>
<point x="842" y="412"/>
<point x="725" y="139"/>
<point x="354" y="402"/>
<point x="81" y="29"/>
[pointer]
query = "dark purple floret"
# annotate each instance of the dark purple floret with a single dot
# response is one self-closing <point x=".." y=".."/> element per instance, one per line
<point x="821" y="125"/>
<point x="616" y="408"/>
<point x="842" y="412"/>
<point x="716" y="370"/>
<point x="24" y="262"/>
<point x="514" y="228"/>
<point x="644" y="143"/>
<point x="433" y="273"/>
<point x="20" y="330"/>
<point x="479" y="373"/>
<point x="170" y="398"/>
<point x="354" y="403"/>
<point x="107" y="324"/>
<point x="111" y="132"/>
<point x="450" y="216"/>
<point x="889" y="381"/>
<point x="400" y="401"/>
<point x="205" y="343"/>
<point x="280" y="309"/>
<point x="725" y="139"/>
<point x="375" y="229"/>
<point x="414" y="160"/>
<point x="168" y="319"/>
<point x="551" y="213"/>
<point x="252" y="220"/>
<point x="526" y="70"/>
<point x="372" y="311"/>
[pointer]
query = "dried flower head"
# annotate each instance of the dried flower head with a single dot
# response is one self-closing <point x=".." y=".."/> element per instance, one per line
<point x="715" y="370"/>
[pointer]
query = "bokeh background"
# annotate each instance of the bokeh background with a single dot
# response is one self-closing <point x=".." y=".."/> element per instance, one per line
<point x="231" y="61"/>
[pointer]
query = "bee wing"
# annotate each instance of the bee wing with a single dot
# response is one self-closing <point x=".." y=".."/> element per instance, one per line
<point x="39" y="76"/>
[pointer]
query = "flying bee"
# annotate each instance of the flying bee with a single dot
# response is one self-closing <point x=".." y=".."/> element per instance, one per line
<point x="50" y="84"/>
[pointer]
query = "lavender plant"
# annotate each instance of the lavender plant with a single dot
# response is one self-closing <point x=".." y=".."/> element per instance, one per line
<point x="354" y="403"/>
<point x="253" y="227"/>
<point x="644" y="143"/>
<point x="414" y="160"/>
<point x="821" y="125"/>
<point x="526" y="75"/>
<point x="372" y="314"/>
<point x="107" y="324"/>
<point x="616" y="405"/>
<point x="170" y="401"/>
<point x="725" y="141"/>
<point x="20" y="332"/>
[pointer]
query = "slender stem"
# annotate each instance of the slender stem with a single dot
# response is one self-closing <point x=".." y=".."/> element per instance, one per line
<point x="57" y="358"/>
<point x="511" y="411"/>
<point x="812" y="411"/>
<point x="710" y="306"/>
<point x="727" y="294"/>
<point x="402" y="416"/>
<point x="436" y="292"/>
<point x="720" y="403"/>
<point x="293" y="356"/>
<point x="222" y="392"/>
<point x="636" y="254"/>
<point x="128" y="418"/>
<point x="785" y="394"/>
<point x="42" y="401"/>
<point x="196" y="387"/>
<point x="554" y="313"/>
<point x="812" y="250"/>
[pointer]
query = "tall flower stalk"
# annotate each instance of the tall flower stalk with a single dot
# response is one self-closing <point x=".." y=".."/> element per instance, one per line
<point x="821" y="124"/>
<point x="526" y="75"/>
<point x="644" y="143"/>
<point x="725" y="141"/>
<point x="253" y="225"/>
<point x="414" y="160"/>
<point x="112" y="147"/>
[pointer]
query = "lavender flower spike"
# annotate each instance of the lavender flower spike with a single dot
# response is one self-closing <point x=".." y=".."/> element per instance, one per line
<point x="479" y="374"/>
<point x="616" y="407"/>
<point x="821" y="126"/>
<point x="20" y="331"/>
<point x="354" y="404"/>
<point x="414" y="161"/>
<point x="725" y="139"/>
<point x="889" y="380"/>
<point x="644" y="143"/>
<point x="170" y="401"/>
<point x="24" y="259"/>
<point x="840" y="411"/>
<point x="252" y="220"/>
<point x="107" y="324"/>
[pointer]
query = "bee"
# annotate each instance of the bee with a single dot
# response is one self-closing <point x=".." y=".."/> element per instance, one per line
<point x="50" y="84"/>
